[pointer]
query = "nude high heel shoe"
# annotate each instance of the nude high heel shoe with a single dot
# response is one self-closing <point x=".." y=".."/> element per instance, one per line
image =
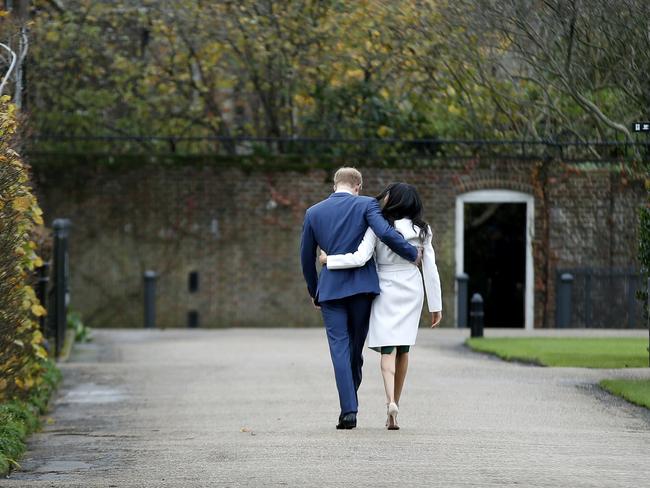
<point x="391" y="422"/>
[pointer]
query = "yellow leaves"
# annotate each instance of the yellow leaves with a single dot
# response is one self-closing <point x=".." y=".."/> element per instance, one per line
<point x="24" y="326"/>
<point x="37" y="214"/>
<point x="40" y="352"/>
<point x="38" y="310"/>
<point x="52" y="36"/>
<point x="21" y="340"/>
<point x="37" y="337"/>
<point x="303" y="100"/>
<point x="355" y="74"/>
<point x="383" y="131"/>
<point x="24" y="384"/>
<point x="29" y="293"/>
<point x="453" y="109"/>
<point x="22" y="203"/>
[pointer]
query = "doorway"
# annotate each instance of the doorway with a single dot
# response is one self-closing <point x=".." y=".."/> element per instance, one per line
<point x="495" y="259"/>
<point x="494" y="248"/>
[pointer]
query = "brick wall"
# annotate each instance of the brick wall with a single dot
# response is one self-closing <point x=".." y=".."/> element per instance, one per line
<point x="240" y="229"/>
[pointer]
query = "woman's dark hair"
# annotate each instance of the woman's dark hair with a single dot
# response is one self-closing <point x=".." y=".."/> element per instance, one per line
<point x="403" y="202"/>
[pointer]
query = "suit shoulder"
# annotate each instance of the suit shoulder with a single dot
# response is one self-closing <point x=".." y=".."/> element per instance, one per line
<point x="364" y="200"/>
<point x="315" y="206"/>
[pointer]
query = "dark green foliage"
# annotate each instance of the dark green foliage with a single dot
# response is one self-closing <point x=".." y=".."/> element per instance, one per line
<point x="644" y="253"/>
<point x="19" y="418"/>
<point x="81" y="330"/>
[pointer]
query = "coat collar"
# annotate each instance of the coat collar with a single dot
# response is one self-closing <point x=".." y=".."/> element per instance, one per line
<point x="341" y="194"/>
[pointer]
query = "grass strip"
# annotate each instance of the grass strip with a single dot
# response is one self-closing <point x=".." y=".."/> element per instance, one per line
<point x="634" y="391"/>
<point x="600" y="352"/>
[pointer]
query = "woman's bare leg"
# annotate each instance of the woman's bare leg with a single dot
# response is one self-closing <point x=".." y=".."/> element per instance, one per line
<point x="401" y="366"/>
<point x="388" y="373"/>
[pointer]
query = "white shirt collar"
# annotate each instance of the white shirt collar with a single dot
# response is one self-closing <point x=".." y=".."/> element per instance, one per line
<point x="344" y="191"/>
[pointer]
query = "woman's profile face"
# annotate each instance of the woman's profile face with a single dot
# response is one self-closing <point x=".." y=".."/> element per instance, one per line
<point x="384" y="200"/>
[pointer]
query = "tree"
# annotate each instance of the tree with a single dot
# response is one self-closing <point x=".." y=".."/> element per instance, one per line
<point x="572" y="70"/>
<point x="543" y="70"/>
<point x="15" y="44"/>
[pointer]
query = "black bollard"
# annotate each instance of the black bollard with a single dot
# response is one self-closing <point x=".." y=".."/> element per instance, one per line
<point x="564" y="300"/>
<point x="463" y="283"/>
<point x="192" y="288"/>
<point x="41" y="291"/>
<point x="57" y="318"/>
<point x="476" y="315"/>
<point x="150" y="299"/>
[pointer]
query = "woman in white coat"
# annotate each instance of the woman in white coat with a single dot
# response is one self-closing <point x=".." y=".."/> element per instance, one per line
<point x="396" y="312"/>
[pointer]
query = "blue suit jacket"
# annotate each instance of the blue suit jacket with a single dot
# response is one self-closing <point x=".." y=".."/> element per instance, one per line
<point x="337" y="226"/>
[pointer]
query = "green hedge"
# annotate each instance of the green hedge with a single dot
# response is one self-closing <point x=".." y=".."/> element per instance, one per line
<point x="22" y="354"/>
<point x="27" y="376"/>
<point x="19" y="418"/>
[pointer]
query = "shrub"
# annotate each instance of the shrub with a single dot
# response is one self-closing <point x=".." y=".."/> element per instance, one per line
<point x="644" y="256"/>
<point x="27" y="377"/>
<point x="76" y="323"/>
<point x="22" y="356"/>
<point x="19" y="418"/>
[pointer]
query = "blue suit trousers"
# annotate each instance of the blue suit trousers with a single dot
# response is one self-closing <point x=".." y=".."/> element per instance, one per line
<point x="346" y="323"/>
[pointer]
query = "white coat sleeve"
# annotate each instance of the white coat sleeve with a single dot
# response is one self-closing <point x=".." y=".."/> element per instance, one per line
<point x="431" y="276"/>
<point x="355" y="259"/>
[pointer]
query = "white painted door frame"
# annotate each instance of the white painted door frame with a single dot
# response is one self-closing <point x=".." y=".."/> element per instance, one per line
<point x="499" y="196"/>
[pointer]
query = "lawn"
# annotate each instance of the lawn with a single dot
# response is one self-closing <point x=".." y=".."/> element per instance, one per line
<point x="635" y="391"/>
<point x="568" y="351"/>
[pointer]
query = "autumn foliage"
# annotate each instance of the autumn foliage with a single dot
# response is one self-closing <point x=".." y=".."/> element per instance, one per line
<point x="22" y="355"/>
<point x="556" y="70"/>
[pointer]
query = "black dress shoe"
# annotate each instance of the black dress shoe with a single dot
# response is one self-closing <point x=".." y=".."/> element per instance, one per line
<point x="347" y="421"/>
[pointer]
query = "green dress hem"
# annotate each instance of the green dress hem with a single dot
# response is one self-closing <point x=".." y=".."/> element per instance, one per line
<point x="389" y="349"/>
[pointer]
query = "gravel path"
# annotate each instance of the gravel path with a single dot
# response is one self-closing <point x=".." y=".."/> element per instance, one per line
<point x="252" y="407"/>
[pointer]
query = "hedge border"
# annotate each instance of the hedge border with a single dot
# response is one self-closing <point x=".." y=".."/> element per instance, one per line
<point x="20" y="418"/>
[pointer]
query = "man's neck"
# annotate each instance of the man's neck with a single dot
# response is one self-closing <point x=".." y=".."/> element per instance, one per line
<point x="344" y="189"/>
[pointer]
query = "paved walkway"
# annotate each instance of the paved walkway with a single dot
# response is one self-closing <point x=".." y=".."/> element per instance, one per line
<point x="231" y="408"/>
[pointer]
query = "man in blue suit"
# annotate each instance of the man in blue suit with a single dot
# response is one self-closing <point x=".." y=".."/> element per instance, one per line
<point x="344" y="296"/>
